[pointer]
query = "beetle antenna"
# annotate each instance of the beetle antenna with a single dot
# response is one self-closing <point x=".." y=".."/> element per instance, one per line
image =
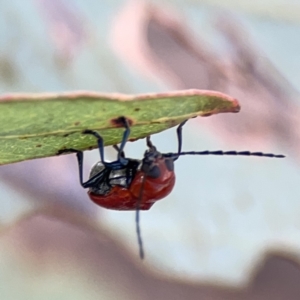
<point x="220" y="152"/>
<point x="137" y="219"/>
<point x="175" y="156"/>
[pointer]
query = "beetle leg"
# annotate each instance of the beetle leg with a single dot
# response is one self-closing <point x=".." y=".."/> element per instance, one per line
<point x="99" y="141"/>
<point x="121" y="156"/>
<point x="116" y="147"/>
<point x="79" y="154"/>
<point x="179" y="137"/>
<point x="126" y="134"/>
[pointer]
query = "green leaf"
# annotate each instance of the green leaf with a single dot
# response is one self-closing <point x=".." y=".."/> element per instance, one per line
<point x="39" y="125"/>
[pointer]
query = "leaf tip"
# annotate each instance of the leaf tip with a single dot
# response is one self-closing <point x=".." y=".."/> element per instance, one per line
<point x="236" y="106"/>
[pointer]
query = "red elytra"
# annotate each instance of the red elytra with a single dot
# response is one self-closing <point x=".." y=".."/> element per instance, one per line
<point x="154" y="179"/>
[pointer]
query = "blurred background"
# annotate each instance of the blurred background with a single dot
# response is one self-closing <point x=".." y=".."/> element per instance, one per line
<point x="231" y="227"/>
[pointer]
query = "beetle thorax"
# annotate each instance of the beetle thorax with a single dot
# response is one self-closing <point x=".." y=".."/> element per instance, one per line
<point x="154" y="162"/>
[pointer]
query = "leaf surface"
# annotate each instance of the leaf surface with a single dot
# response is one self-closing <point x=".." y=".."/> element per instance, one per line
<point x="39" y="125"/>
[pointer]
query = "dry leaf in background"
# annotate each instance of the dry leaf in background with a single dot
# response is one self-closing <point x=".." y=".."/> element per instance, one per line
<point x="80" y="260"/>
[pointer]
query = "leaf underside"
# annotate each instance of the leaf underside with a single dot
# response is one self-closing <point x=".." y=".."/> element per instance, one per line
<point x="39" y="125"/>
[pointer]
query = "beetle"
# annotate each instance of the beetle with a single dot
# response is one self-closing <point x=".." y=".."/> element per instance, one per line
<point x="116" y="185"/>
<point x="132" y="184"/>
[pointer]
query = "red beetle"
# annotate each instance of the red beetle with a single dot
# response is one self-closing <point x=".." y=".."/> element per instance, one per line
<point x="130" y="184"/>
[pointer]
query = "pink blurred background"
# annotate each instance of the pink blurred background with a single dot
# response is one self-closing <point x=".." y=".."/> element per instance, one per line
<point x="231" y="227"/>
